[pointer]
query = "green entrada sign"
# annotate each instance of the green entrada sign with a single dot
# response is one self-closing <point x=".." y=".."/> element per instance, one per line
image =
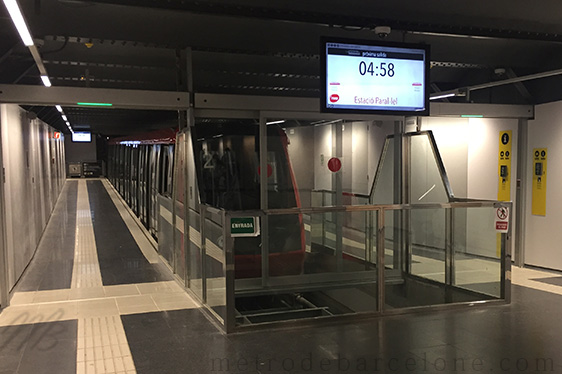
<point x="244" y="226"/>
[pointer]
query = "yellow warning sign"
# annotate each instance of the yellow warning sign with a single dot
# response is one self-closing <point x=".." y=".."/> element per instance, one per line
<point x="539" y="181"/>
<point x="504" y="166"/>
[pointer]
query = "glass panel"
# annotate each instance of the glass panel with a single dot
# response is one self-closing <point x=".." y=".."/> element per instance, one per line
<point x="419" y="237"/>
<point x="405" y="288"/>
<point x="166" y="230"/>
<point x="215" y="264"/>
<point x="477" y="251"/>
<point x="179" y="250"/>
<point x="426" y="183"/>
<point x="315" y="269"/>
<point x="383" y="189"/>
<point x="323" y="162"/>
<point x="427" y="236"/>
<point x="195" y="264"/>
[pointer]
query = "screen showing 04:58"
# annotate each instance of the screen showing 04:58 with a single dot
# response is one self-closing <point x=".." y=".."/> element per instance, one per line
<point x="375" y="78"/>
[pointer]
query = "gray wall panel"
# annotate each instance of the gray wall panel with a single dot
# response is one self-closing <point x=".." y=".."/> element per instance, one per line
<point x="31" y="187"/>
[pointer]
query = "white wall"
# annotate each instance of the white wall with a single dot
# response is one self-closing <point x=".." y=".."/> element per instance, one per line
<point x="543" y="234"/>
<point x="469" y="148"/>
<point x="34" y="167"/>
<point x="80" y="152"/>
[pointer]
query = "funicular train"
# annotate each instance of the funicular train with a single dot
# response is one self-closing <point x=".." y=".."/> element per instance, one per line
<point x="226" y="158"/>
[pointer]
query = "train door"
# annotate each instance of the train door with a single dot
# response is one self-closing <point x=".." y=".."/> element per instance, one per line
<point x="143" y="177"/>
<point x="134" y="179"/>
<point x="166" y="170"/>
<point x="154" y="168"/>
<point x="121" y="163"/>
<point x="110" y="164"/>
<point x="127" y="180"/>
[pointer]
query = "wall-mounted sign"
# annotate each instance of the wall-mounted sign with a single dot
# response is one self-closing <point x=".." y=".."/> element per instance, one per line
<point x="81" y="137"/>
<point x="244" y="227"/>
<point x="502" y="220"/>
<point x="504" y="166"/>
<point x="334" y="164"/>
<point x="56" y="135"/>
<point x="365" y="76"/>
<point x="539" y="181"/>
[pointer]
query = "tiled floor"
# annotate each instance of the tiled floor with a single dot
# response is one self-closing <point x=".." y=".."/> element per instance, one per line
<point x="73" y="324"/>
<point x="96" y="299"/>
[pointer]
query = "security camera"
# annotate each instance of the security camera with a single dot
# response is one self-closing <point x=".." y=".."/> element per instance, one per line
<point x="382" y="31"/>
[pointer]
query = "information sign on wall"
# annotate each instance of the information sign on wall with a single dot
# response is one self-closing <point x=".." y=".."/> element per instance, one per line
<point x="502" y="220"/>
<point x="504" y="166"/>
<point x="244" y="227"/>
<point x="539" y="181"/>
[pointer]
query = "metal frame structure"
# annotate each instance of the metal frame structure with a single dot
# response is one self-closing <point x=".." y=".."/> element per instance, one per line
<point x="271" y="285"/>
<point x="71" y="96"/>
<point x="262" y="109"/>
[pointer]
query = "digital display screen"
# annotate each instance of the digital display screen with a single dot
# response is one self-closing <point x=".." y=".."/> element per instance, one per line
<point x="374" y="77"/>
<point x="82" y="137"/>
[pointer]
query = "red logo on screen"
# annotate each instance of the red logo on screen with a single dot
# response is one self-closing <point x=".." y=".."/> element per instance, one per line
<point x="334" y="98"/>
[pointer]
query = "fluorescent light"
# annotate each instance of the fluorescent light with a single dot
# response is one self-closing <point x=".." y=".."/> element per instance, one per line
<point x="275" y="122"/>
<point x="64" y="118"/>
<point x="19" y="22"/>
<point x="46" y="81"/>
<point x="95" y="104"/>
<point x="472" y="115"/>
<point x="443" y="96"/>
<point x="59" y="108"/>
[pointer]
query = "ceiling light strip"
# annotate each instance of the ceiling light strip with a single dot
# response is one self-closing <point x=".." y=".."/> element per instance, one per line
<point x="19" y="22"/>
<point x="23" y="30"/>
<point x="94" y="104"/>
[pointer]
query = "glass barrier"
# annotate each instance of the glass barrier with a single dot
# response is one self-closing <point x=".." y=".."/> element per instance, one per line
<point x="477" y="251"/>
<point x="425" y="180"/>
<point x="315" y="269"/>
<point x="166" y="228"/>
<point x="195" y="255"/>
<point x="215" y="277"/>
<point x="433" y="254"/>
<point x="427" y="243"/>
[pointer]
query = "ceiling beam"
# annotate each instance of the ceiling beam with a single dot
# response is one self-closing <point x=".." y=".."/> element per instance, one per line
<point x="71" y="96"/>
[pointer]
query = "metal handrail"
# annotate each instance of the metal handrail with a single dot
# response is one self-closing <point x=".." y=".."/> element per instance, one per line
<point x="361" y="208"/>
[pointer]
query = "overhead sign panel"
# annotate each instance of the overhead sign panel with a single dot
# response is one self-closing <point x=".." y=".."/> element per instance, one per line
<point x="374" y="77"/>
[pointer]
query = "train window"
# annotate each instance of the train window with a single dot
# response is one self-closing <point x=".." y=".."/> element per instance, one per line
<point x="226" y="167"/>
<point x="227" y="162"/>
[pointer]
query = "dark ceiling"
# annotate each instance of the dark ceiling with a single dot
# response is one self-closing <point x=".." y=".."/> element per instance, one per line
<point x="256" y="47"/>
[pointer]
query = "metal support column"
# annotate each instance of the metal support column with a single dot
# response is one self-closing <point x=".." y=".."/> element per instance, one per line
<point x="228" y="267"/>
<point x="187" y="196"/>
<point x="506" y="264"/>
<point x="203" y="214"/>
<point x="380" y="260"/>
<point x="4" y="291"/>
<point x="521" y="192"/>
<point x="398" y="190"/>
<point x="337" y="185"/>
<point x="264" y="202"/>
<point x="449" y="251"/>
<point x="184" y="70"/>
